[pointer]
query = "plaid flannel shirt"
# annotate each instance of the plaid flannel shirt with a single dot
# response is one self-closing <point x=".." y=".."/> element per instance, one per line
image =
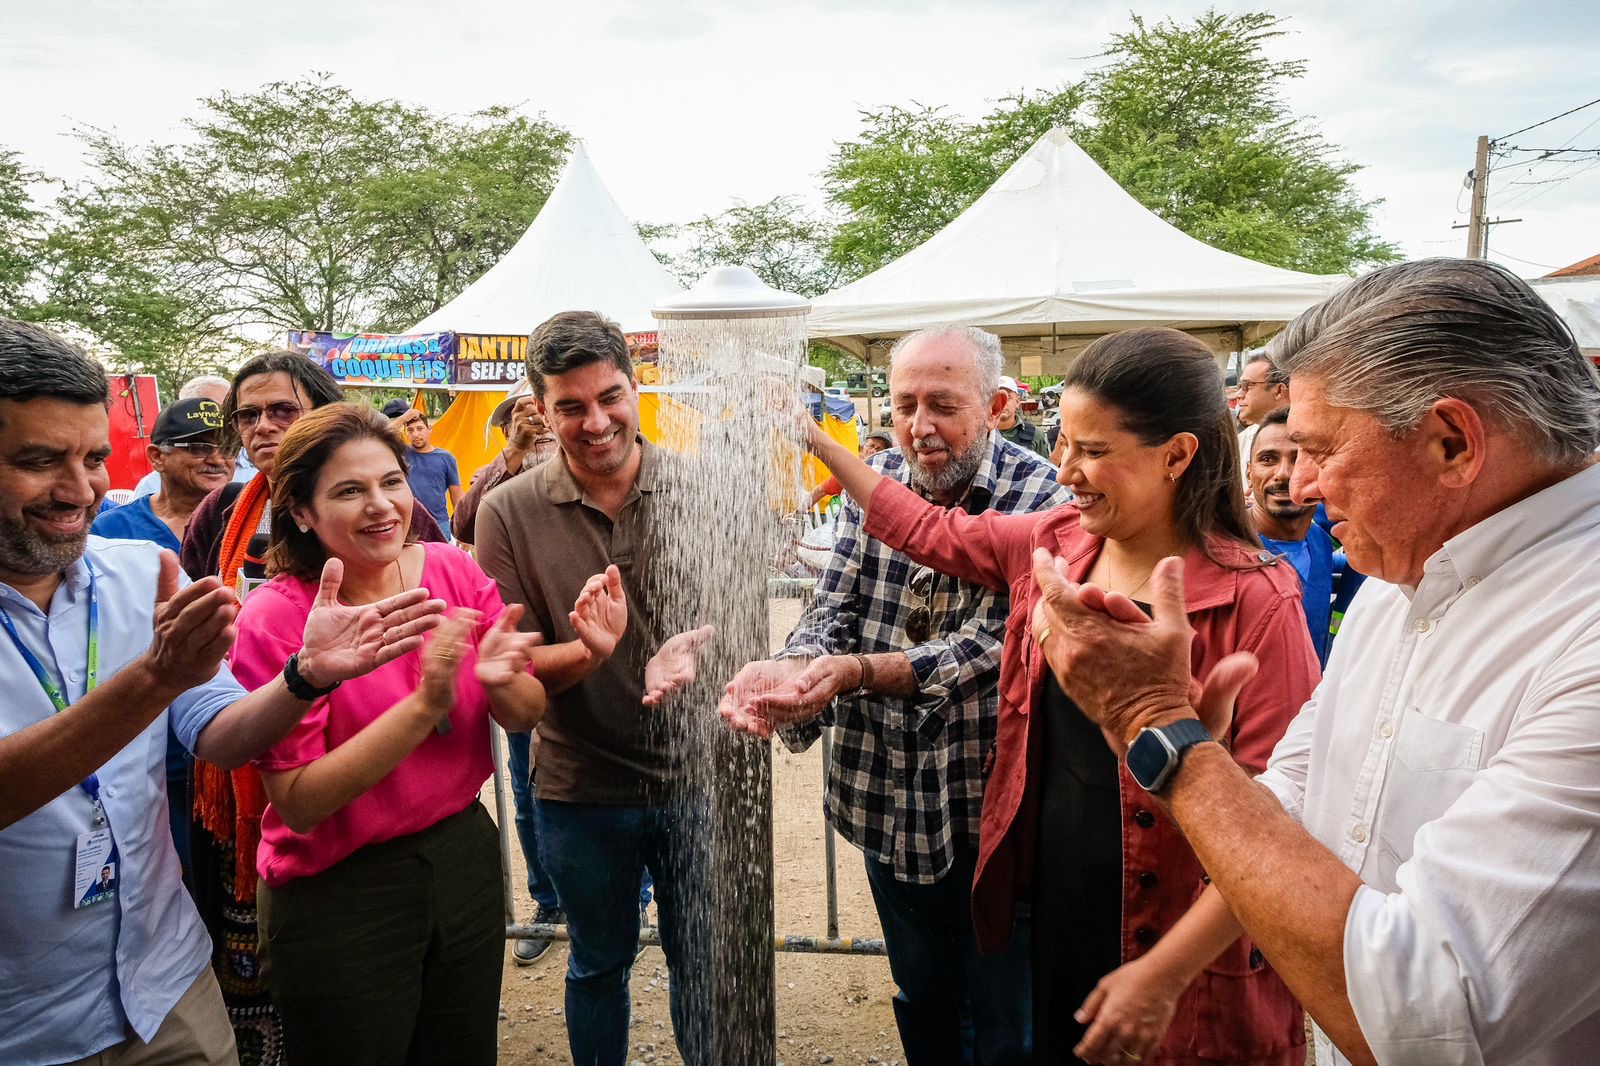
<point x="906" y="784"/>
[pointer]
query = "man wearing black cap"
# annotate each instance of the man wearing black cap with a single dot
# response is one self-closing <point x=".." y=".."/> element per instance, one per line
<point x="185" y="452"/>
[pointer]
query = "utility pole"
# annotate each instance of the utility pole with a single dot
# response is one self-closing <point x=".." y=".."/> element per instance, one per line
<point x="1476" y="225"/>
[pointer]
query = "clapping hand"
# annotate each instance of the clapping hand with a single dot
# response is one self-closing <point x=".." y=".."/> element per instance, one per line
<point x="193" y="627"/>
<point x="341" y="641"/>
<point x="1125" y="669"/>
<point x="600" y="615"/>
<point x="504" y="653"/>
<point x="673" y="667"/>
<point x="441" y="663"/>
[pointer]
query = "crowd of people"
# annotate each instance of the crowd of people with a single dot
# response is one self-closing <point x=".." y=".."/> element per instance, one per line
<point x="1136" y="774"/>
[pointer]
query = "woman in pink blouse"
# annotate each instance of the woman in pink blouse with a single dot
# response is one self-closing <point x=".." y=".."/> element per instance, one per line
<point x="1133" y="958"/>
<point x="381" y="901"/>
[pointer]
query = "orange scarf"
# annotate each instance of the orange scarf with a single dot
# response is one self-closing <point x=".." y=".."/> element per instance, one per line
<point x="229" y="804"/>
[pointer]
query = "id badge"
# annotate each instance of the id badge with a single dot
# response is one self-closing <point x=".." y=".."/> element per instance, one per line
<point x="95" y="872"/>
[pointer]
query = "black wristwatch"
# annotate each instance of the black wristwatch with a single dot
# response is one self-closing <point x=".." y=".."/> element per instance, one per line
<point x="299" y="687"/>
<point x="1155" y="754"/>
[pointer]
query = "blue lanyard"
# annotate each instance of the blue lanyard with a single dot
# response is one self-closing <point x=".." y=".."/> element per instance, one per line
<point x="58" y="698"/>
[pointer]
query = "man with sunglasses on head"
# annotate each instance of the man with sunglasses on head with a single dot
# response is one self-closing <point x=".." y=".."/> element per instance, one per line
<point x="905" y="662"/>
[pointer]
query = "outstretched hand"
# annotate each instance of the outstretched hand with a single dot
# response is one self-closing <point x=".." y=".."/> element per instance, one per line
<point x="770" y="694"/>
<point x="504" y="653"/>
<point x="342" y="641"/>
<point x="673" y="667"/>
<point x="192" y="627"/>
<point x="600" y="615"/>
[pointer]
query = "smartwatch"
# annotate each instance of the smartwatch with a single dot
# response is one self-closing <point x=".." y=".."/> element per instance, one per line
<point x="299" y="687"/>
<point x="1156" y="753"/>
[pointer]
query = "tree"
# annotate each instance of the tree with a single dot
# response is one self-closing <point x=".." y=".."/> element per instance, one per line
<point x="784" y="243"/>
<point x="21" y="235"/>
<point x="1188" y="118"/>
<point x="295" y="206"/>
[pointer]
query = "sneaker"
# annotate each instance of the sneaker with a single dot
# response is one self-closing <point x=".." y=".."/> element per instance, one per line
<point x="528" y="950"/>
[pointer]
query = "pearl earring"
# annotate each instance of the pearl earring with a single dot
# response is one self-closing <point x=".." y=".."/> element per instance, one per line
<point x="305" y="528"/>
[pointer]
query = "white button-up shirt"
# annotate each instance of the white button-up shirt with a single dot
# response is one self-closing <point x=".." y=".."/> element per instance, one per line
<point x="1451" y="757"/>
<point x="72" y="982"/>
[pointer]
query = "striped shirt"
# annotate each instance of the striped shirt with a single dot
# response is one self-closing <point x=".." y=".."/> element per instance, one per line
<point x="906" y="783"/>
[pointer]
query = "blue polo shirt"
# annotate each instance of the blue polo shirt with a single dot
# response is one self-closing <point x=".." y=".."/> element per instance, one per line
<point x="1312" y="559"/>
<point x="73" y="981"/>
<point x="135" y="520"/>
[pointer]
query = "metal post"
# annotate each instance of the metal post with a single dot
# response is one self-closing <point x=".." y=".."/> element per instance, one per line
<point x="497" y="750"/>
<point x="831" y="876"/>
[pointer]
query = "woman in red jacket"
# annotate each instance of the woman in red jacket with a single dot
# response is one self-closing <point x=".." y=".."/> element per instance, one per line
<point x="1133" y="959"/>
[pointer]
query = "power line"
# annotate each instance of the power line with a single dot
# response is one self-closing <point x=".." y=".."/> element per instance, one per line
<point x="1552" y="118"/>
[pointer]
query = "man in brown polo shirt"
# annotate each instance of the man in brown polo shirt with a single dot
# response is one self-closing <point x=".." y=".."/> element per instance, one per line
<point x="605" y="804"/>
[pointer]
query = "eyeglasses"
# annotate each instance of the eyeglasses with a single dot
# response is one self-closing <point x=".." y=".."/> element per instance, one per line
<point x="283" y="414"/>
<point x="919" y="623"/>
<point x="197" y="449"/>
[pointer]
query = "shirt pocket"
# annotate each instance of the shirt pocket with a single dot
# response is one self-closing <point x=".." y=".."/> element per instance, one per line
<point x="1434" y="762"/>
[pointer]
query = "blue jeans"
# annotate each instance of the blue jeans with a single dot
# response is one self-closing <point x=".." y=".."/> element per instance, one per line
<point x="521" y="774"/>
<point x="595" y="853"/>
<point x="954" y="1005"/>
<point x="539" y="886"/>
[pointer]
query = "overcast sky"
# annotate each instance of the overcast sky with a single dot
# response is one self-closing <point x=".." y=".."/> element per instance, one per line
<point x="686" y="105"/>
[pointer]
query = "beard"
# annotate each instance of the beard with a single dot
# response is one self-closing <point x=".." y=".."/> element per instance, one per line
<point x="24" y="550"/>
<point x="1283" y="512"/>
<point x="958" y="469"/>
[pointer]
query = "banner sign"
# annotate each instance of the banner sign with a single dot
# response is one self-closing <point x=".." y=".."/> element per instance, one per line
<point x="483" y="359"/>
<point x="405" y="361"/>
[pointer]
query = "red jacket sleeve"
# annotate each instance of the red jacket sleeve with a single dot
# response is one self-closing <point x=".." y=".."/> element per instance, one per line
<point x="988" y="549"/>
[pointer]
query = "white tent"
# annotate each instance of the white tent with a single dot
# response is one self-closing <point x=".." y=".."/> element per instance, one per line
<point x="1055" y="254"/>
<point x="580" y="254"/>
<point x="1577" y="301"/>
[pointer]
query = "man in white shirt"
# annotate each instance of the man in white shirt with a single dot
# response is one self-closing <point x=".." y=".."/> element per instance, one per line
<point x="1422" y="864"/>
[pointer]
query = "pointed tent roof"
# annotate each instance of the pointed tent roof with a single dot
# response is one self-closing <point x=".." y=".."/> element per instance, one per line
<point x="1057" y="247"/>
<point x="580" y="254"/>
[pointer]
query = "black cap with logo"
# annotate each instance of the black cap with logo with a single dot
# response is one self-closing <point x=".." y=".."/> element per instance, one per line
<point x="183" y="419"/>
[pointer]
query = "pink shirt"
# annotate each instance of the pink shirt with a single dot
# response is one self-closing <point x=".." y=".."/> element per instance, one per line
<point x="441" y="775"/>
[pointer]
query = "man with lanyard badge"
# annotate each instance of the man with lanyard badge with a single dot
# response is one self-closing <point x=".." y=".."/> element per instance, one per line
<point x="102" y="955"/>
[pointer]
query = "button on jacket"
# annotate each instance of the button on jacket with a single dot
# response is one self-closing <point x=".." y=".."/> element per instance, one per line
<point x="1237" y="1010"/>
<point x="1451" y="758"/>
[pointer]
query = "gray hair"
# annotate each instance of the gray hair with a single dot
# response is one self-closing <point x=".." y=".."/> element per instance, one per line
<point x="1396" y="341"/>
<point x="1276" y="375"/>
<point x="192" y="387"/>
<point x="986" y="354"/>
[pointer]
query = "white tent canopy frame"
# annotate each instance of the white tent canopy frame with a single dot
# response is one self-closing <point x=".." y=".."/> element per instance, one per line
<point x="1054" y="254"/>
<point x="1577" y="301"/>
<point x="580" y="254"/>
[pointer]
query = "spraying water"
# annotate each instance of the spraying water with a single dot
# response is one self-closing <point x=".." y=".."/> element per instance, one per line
<point x="717" y="529"/>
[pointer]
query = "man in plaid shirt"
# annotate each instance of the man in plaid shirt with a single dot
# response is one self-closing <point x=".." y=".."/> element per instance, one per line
<point x="905" y="662"/>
